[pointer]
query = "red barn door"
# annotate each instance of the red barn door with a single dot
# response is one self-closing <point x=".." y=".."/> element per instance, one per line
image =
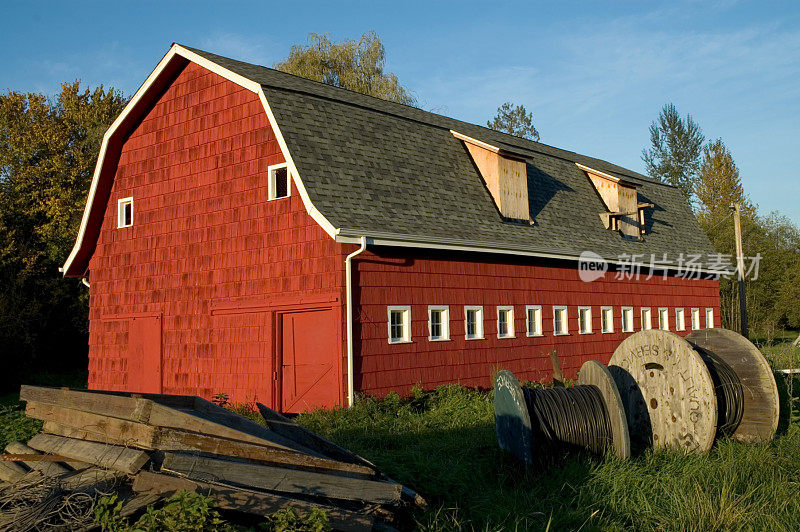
<point x="310" y="372"/>
<point x="144" y="354"/>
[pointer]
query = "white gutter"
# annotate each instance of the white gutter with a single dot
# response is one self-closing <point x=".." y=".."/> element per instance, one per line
<point x="85" y="282"/>
<point x="348" y="282"/>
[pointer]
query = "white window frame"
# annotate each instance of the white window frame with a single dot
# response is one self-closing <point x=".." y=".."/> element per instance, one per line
<point x="610" y="322"/>
<point x="406" y="310"/>
<point x="536" y="330"/>
<point x="663" y="325"/>
<point x="510" y="309"/>
<point x="709" y="312"/>
<point x="478" y="322"/>
<point x="556" y="309"/>
<point x="680" y="319"/>
<point x="627" y="325"/>
<point x="695" y="319"/>
<point x="121" y="203"/>
<point x="271" y="171"/>
<point x="642" y="312"/>
<point x="581" y="329"/>
<point x="445" y="310"/>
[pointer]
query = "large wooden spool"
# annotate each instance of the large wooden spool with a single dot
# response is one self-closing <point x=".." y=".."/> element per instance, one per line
<point x="761" y="402"/>
<point x="667" y="391"/>
<point x="513" y="422"/>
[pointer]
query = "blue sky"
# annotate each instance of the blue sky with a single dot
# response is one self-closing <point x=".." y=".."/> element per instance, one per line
<point x="595" y="74"/>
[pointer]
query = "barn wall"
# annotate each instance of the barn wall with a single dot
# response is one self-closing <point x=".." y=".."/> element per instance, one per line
<point x="396" y="277"/>
<point x="207" y="252"/>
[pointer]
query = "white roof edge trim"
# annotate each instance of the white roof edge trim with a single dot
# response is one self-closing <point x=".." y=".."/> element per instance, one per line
<point x="474" y="141"/>
<point x="603" y="174"/>
<point x="248" y="84"/>
<point x="387" y="239"/>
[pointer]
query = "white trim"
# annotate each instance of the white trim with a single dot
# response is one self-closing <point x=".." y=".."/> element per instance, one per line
<point x="475" y="142"/>
<point x="605" y="175"/>
<point x="680" y="319"/>
<point x="509" y="324"/>
<point x="610" y="322"/>
<point x="406" y="310"/>
<point x="561" y="308"/>
<point x="538" y="323"/>
<point x="252" y="86"/>
<point x="588" y="329"/>
<point x="271" y="188"/>
<point x="627" y="326"/>
<point x="642" y="312"/>
<point x="709" y="311"/>
<point x="445" y="310"/>
<point x="665" y="312"/>
<point x="375" y="238"/>
<point x="120" y="217"/>
<point x="478" y="322"/>
<point x="695" y="315"/>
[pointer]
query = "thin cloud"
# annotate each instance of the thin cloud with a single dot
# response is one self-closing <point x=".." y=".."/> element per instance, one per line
<point x="239" y="47"/>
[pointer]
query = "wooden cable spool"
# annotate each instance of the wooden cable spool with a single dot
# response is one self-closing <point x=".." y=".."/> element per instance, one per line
<point x="761" y="403"/>
<point x="671" y="389"/>
<point x="516" y="430"/>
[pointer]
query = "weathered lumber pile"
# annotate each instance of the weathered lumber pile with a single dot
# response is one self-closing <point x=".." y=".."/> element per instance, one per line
<point x="146" y="447"/>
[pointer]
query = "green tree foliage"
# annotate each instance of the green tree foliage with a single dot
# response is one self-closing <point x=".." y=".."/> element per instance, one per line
<point x="774" y="238"/>
<point x="514" y="120"/>
<point x="676" y="146"/>
<point x="357" y="65"/>
<point x="48" y="149"/>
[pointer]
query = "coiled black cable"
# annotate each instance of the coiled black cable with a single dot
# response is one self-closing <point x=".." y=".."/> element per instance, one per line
<point x="575" y="416"/>
<point x="729" y="392"/>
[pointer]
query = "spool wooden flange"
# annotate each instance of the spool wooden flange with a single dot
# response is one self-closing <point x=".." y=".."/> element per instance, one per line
<point x="511" y="419"/>
<point x="667" y="391"/>
<point x="593" y="372"/>
<point x="761" y="403"/>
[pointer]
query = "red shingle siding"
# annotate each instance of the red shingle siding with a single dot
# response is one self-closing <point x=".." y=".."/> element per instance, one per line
<point x="204" y="236"/>
<point x="401" y="278"/>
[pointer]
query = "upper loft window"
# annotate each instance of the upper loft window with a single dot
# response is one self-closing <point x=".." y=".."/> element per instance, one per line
<point x="125" y="212"/>
<point x="623" y="211"/>
<point x="279" y="181"/>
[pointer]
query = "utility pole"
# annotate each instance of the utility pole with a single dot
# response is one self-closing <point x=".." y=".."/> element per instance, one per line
<point x="737" y="226"/>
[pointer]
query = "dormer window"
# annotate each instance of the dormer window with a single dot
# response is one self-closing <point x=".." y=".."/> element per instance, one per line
<point x="279" y="181"/>
<point x="624" y="212"/>
<point x="125" y="212"/>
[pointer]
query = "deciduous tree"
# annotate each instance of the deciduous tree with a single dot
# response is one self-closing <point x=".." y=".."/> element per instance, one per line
<point x="357" y="65"/>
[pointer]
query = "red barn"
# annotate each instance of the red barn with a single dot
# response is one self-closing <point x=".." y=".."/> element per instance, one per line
<point x="281" y="240"/>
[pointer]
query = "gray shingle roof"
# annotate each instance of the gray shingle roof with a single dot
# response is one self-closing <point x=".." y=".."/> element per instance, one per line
<point x="372" y="167"/>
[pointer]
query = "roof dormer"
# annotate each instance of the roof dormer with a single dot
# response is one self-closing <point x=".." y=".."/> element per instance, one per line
<point x="505" y="175"/>
<point x="625" y="214"/>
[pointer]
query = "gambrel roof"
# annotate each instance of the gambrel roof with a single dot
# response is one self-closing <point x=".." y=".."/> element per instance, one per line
<point x="398" y="176"/>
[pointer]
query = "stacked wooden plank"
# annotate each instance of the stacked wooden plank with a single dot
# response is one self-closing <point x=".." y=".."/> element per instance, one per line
<point x="165" y="443"/>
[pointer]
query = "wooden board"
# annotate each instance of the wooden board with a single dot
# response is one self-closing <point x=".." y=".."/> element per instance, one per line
<point x="667" y="392"/>
<point x="281" y="479"/>
<point x="761" y="402"/>
<point x="47" y="468"/>
<point x="11" y="471"/>
<point x="594" y="373"/>
<point x="211" y="419"/>
<point x="106" y="456"/>
<point x="248" y="501"/>
<point x="512" y="421"/>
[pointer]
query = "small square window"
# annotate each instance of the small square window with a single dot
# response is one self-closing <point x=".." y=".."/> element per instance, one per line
<point x="607" y="319"/>
<point x="505" y="322"/>
<point x="560" y="325"/>
<point x="647" y="319"/>
<point x="710" y="318"/>
<point x="585" y="320"/>
<point x="438" y="323"/>
<point x="125" y="212"/>
<point x="278" y="181"/>
<point x="534" y="320"/>
<point x="680" y="320"/>
<point x="399" y="325"/>
<point x="663" y="319"/>
<point x="473" y="323"/>
<point x="627" y="319"/>
<point x="695" y="319"/>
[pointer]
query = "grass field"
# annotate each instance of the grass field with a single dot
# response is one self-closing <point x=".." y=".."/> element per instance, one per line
<point x="442" y="444"/>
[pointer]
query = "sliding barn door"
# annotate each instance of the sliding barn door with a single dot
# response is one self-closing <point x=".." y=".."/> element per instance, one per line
<point x="144" y="354"/>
